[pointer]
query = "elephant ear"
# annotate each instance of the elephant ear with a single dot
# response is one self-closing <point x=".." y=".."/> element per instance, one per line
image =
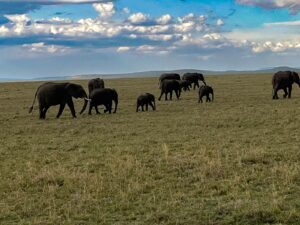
<point x="71" y="89"/>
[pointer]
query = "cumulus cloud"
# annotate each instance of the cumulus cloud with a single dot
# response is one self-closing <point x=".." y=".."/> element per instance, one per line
<point x="275" y="47"/>
<point x="137" y="18"/>
<point x="164" y="19"/>
<point x="105" y="9"/>
<point x="292" y="5"/>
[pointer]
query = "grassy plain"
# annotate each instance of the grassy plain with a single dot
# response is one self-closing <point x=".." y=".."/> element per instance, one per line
<point x="234" y="161"/>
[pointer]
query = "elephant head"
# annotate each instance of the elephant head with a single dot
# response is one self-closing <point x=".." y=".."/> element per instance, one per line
<point x="201" y="77"/>
<point x="296" y="78"/>
<point x="77" y="91"/>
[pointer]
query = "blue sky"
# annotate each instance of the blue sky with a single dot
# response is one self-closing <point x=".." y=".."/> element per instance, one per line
<point x="69" y="37"/>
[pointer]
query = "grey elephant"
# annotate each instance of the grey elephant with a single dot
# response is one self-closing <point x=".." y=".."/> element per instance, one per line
<point x="103" y="96"/>
<point x="168" y="86"/>
<point x="95" y="83"/>
<point x="50" y="94"/>
<point x="284" y="80"/>
<point x="168" y="76"/>
<point x="145" y="99"/>
<point x="205" y="90"/>
<point x="185" y="85"/>
<point x="194" y="78"/>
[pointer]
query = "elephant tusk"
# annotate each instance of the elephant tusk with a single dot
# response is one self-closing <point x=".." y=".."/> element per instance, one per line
<point x="88" y="99"/>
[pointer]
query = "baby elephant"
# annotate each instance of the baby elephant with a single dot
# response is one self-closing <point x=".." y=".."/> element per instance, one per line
<point x="145" y="99"/>
<point x="206" y="91"/>
<point x="185" y="85"/>
<point x="103" y="96"/>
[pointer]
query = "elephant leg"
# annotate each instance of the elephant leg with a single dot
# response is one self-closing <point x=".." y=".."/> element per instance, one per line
<point x="97" y="110"/>
<point x="290" y="91"/>
<point x="275" y="90"/>
<point x="147" y="106"/>
<point x="285" y="93"/>
<point x="90" y="109"/>
<point x="171" y="95"/>
<point x="41" y="109"/>
<point x="177" y="94"/>
<point x="108" y="107"/>
<point x="61" y="109"/>
<point x="143" y="108"/>
<point x="152" y="106"/>
<point x="166" y="96"/>
<point x="197" y="84"/>
<point x="161" y="93"/>
<point x="45" y="111"/>
<point x="208" y="98"/>
<point x="71" y="106"/>
<point x="137" y="107"/>
<point x="200" y="99"/>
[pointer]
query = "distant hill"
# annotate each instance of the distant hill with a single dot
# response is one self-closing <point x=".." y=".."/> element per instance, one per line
<point x="181" y="72"/>
<point x="155" y="74"/>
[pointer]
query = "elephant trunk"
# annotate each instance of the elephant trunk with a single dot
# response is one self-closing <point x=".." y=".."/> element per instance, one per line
<point x="154" y="105"/>
<point x="204" y="82"/>
<point x="85" y="104"/>
<point x="116" y="105"/>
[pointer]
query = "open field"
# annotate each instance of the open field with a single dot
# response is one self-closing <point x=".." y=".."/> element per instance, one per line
<point x="235" y="161"/>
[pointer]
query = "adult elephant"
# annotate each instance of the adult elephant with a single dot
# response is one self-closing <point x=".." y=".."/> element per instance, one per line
<point x="194" y="78"/>
<point x="168" y="86"/>
<point x="94" y="84"/>
<point x="145" y="99"/>
<point x="50" y="94"/>
<point x="103" y="96"/>
<point x="168" y="76"/>
<point x="284" y="80"/>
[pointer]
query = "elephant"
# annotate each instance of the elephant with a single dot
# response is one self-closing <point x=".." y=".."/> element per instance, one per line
<point x="50" y="94"/>
<point x="194" y="78"/>
<point x="205" y="90"/>
<point x="95" y="83"/>
<point x="145" y="99"/>
<point x="284" y="80"/>
<point x="168" y="86"/>
<point x="103" y="96"/>
<point x="168" y="76"/>
<point x="185" y="85"/>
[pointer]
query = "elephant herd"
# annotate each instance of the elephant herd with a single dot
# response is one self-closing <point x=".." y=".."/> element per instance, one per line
<point x="51" y="94"/>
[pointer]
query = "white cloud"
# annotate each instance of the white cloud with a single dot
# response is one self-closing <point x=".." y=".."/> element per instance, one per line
<point x="164" y="19"/>
<point x="126" y="10"/>
<point x="41" y="47"/>
<point x="288" y="23"/>
<point x="123" y="49"/>
<point x="220" y="22"/>
<point x="138" y="18"/>
<point x="105" y="9"/>
<point x="3" y="30"/>
<point x="275" y="47"/>
<point x="292" y="5"/>
<point x="55" y="1"/>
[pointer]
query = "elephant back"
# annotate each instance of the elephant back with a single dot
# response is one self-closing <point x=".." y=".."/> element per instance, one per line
<point x="95" y="83"/>
<point x="169" y="76"/>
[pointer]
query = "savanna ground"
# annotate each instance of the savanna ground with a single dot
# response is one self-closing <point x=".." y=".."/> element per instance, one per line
<point x="234" y="161"/>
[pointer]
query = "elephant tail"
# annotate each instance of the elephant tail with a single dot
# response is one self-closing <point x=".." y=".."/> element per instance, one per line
<point x="31" y="108"/>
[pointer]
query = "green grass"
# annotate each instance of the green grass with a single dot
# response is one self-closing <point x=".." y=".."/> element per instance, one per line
<point x="234" y="161"/>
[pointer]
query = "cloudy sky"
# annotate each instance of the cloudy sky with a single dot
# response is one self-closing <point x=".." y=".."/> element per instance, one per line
<point x="67" y="37"/>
